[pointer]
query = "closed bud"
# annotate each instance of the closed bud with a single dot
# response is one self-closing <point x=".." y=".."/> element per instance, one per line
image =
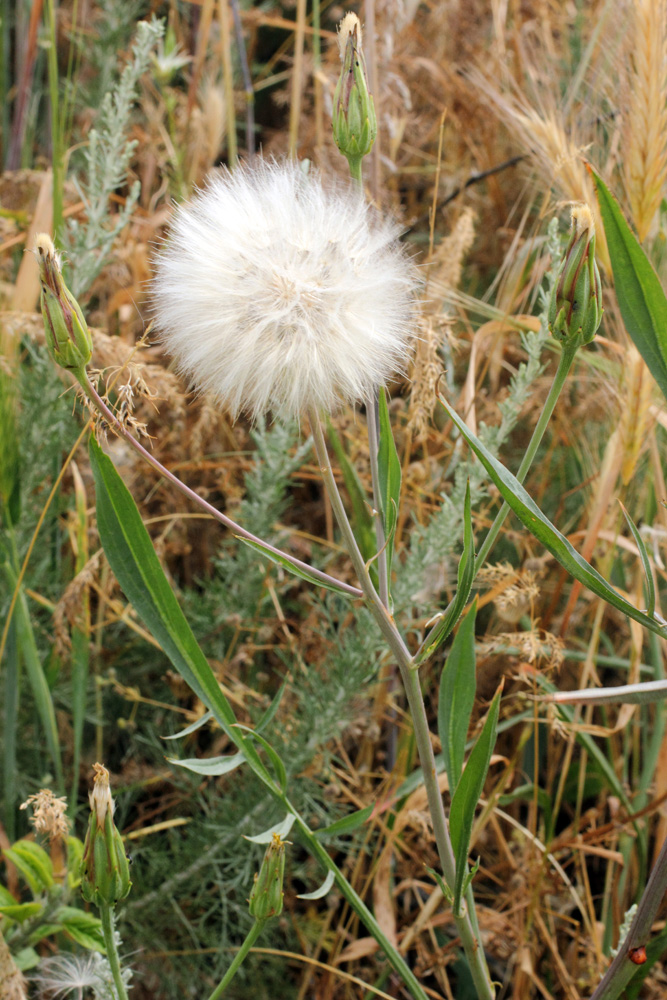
<point x="354" y="121"/>
<point x="575" y="309"/>
<point x="266" y="898"/>
<point x="67" y="335"/>
<point x="105" y="872"/>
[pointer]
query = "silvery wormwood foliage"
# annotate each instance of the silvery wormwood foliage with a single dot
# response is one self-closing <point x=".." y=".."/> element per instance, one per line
<point x="277" y="293"/>
<point x="107" y="159"/>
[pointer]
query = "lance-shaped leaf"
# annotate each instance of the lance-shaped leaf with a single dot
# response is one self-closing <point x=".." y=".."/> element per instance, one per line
<point x="467" y="795"/>
<point x="137" y="568"/>
<point x="641" y="298"/>
<point x="457" y="697"/>
<point x="541" y="527"/>
<point x="646" y="563"/>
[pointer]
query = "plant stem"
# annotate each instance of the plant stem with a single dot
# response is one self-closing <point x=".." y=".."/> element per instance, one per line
<point x="464" y="924"/>
<point x="373" y="422"/>
<point x="622" y="969"/>
<point x="253" y="934"/>
<point x="106" y="914"/>
<point x="118" y="426"/>
<point x="564" y="364"/>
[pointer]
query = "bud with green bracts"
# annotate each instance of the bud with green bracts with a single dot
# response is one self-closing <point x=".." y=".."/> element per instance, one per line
<point x="575" y="309"/>
<point x="266" y="898"/>
<point x="105" y="872"/>
<point x="67" y="335"/>
<point x="354" y="121"/>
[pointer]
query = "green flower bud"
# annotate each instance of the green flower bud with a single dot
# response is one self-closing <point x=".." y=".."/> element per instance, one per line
<point x="354" y="121"/>
<point x="266" y="898"/>
<point x="67" y="335"/>
<point x="105" y="872"/>
<point x="575" y="309"/>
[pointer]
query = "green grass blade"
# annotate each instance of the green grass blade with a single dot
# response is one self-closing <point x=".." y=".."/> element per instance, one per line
<point x="41" y="692"/>
<point x="11" y="679"/>
<point x="361" y="518"/>
<point x="646" y="563"/>
<point x="532" y="518"/>
<point x="457" y="697"/>
<point x="467" y="795"/>
<point x="641" y="298"/>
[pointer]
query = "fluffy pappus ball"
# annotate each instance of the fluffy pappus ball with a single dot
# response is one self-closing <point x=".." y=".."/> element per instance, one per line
<point x="274" y="292"/>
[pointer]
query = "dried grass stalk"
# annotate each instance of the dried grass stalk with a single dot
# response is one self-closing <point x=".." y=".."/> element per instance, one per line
<point x="646" y="124"/>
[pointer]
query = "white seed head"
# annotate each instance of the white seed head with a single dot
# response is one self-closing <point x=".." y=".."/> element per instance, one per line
<point x="274" y="293"/>
<point x="349" y="26"/>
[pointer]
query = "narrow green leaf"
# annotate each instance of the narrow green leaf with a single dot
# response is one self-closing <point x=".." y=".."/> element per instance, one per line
<point x="322" y="891"/>
<point x="532" y="518"/>
<point x="442" y="885"/>
<point x="291" y="568"/>
<point x="646" y="564"/>
<point x="275" y="759"/>
<point x="74" y="856"/>
<point x="361" y="517"/>
<point x="640" y="295"/>
<point x="21" y="911"/>
<point x="132" y="558"/>
<point x="210" y="766"/>
<point x="457" y="697"/>
<point x="27" y="649"/>
<point x="389" y="474"/>
<point x="271" y="711"/>
<point x="345" y="825"/>
<point x="6" y="898"/>
<point x="192" y="728"/>
<point x="466" y="576"/>
<point x="467" y="795"/>
<point x="34" y="864"/>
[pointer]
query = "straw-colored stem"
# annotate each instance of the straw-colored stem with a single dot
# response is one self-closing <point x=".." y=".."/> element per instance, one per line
<point x="228" y="80"/>
<point x="297" y="77"/>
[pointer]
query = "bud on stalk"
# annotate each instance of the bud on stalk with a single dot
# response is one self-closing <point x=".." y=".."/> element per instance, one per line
<point x="266" y="898"/>
<point x="575" y="309"/>
<point x="105" y="873"/>
<point x="354" y="121"/>
<point x="67" y="336"/>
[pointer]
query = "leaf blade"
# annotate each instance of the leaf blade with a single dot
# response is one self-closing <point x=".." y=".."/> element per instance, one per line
<point x="457" y="697"/>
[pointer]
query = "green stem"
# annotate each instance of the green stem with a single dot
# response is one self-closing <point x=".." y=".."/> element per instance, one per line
<point x="355" y="169"/>
<point x="564" y="364"/>
<point x="464" y="923"/>
<point x="372" y="420"/>
<point x="56" y="135"/>
<point x="106" y="914"/>
<point x="622" y="969"/>
<point x="254" y="933"/>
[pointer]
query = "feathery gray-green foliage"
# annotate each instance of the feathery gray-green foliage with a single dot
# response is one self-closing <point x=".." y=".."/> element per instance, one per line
<point x="107" y="159"/>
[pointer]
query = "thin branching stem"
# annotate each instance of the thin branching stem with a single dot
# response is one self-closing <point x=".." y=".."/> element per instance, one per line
<point x="464" y="923"/>
<point x="119" y="427"/>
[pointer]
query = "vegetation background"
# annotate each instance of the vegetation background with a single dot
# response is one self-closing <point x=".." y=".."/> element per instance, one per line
<point x="486" y="110"/>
